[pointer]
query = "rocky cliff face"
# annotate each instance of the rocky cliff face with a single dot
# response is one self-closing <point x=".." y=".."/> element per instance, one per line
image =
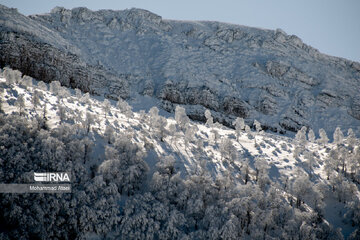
<point x="230" y="69"/>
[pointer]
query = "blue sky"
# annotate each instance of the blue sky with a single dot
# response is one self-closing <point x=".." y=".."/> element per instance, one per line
<point x="332" y="26"/>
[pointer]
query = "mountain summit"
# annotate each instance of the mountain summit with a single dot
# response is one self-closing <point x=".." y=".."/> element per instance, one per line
<point x="232" y="70"/>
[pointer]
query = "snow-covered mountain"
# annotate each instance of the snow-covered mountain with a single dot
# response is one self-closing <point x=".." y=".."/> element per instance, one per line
<point x="213" y="182"/>
<point x="233" y="70"/>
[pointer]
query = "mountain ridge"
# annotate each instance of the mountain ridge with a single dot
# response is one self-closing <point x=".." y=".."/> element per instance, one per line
<point x="233" y="70"/>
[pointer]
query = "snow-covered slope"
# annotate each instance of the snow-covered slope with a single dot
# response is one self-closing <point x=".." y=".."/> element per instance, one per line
<point x="259" y="157"/>
<point x="233" y="70"/>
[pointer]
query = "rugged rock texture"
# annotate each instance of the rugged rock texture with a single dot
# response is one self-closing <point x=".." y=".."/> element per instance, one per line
<point x="230" y="69"/>
<point x="34" y="57"/>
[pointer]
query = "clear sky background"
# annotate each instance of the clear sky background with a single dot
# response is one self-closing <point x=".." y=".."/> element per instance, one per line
<point x="332" y="26"/>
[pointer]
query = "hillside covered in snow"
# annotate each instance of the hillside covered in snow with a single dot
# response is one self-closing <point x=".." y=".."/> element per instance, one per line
<point x="231" y="70"/>
<point x="154" y="175"/>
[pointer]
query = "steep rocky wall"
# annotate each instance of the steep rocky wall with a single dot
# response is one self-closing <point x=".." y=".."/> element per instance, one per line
<point x="46" y="63"/>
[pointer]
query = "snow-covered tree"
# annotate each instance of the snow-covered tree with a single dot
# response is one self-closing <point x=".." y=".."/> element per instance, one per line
<point x="41" y="85"/>
<point x="124" y="166"/>
<point x="87" y="148"/>
<point x="85" y="99"/>
<point x="154" y="115"/>
<point x="354" y="164"/>
<point x="161" y="124"/>
<point x="78" y="93"/>
<point x="55" y="87"/>
<point x="44" y="112"/>
<point x="91" y="208"/>
<point x="351" y="138"/>
<point x="61" y="112"/>
<point x="239" y="126"/>
<point x="1" y="99"/>
<point x="190" y="133"/>
<point x="88" y="121"/>
<point x="344" y="157"/>
<point x="301" y="142"/>
<point x="257" y="126"/>
<point x="323" y="137"/>
<point x="245" y="171"/>
<point x="343" y="189"/>
<point x="63" y="92"/>
<point x="12" y="76"/>
<point x="230" y="229"/>
<point x="260" y="166"/>
<point x="109" y="134"/>
<point x="248" y="131"/>
<point x="300" y="136"/>
<point x="311" y="136"/>
<point x="214" y="137"/>
<point x="209" y="118"/>
<point x="310" y="160"/>
<point x="27" y="81"/>
<point x="181" y="118"/>
<point x="125" y="108"/>
<point x="158" y="123"/>
<point x="354" y="213"/>
<point x="20" y="103"/>
<point x="142" y="116"/>
<point x="106" y="106"/>
<point x="301" y="188"/>
<point x="338" y="136"/>
<point x="262" y="177"/>
<point x="172" y="132"/>
<point x="227" y="150"/>
<point x="35" y="99"/>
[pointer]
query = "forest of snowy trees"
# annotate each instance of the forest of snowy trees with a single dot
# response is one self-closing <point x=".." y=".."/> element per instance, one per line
<point x="117" y="194"/>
